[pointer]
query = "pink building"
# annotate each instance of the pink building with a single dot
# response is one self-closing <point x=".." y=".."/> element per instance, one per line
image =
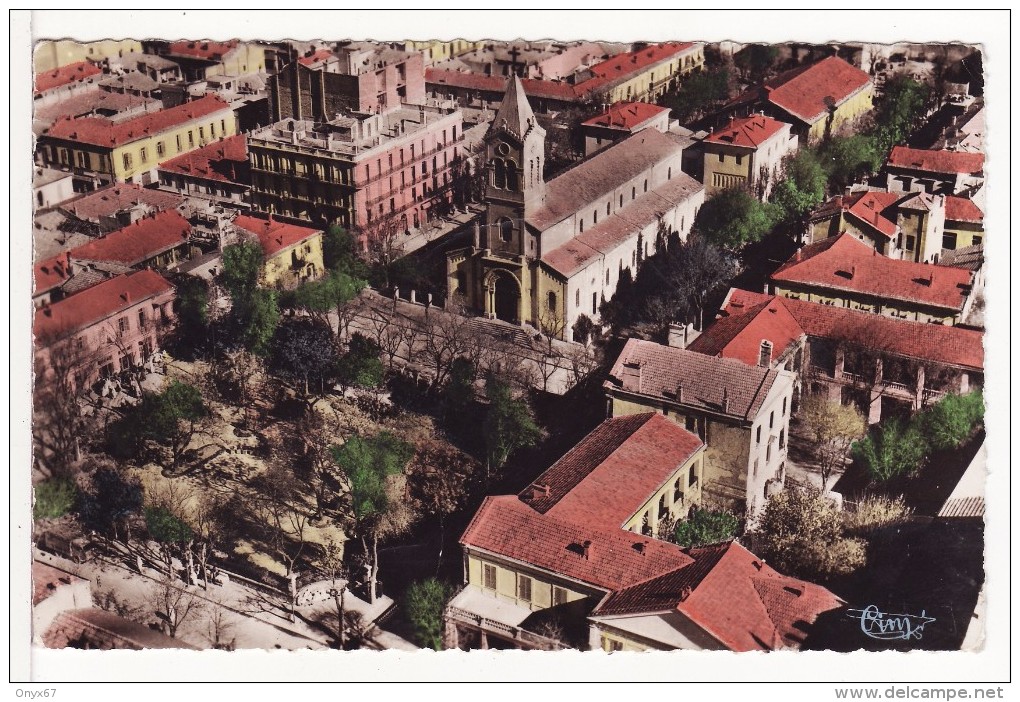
<point x="106" y="329"/>
<point x="359" y="171"/>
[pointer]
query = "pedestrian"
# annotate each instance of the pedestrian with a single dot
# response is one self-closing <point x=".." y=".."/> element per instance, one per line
<point x="99" y="580"/>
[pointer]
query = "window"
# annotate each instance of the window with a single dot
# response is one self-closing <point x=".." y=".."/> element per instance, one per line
<point x="678" y="493"/>
<point x="223" y="126"/>
<point x="160" y="148"/>
<point x="594" y="303"/>
<point x="506" y="230"/>
<point x="577" y="298"/>
<point x="201" y="132"/>
<point x="178" y="138"/>
<point x="910" y="242"/>
<point x="582" y="225"/>
<point x="662" y="505"/>
<point x="621" y="201"/>
<point x="212" y="129"/>
<point x="489" y="576"/>
<point x="949" y="240"/>
<point x="191" y="138"/>
<point x="768" y="452"/>
<point x="559" y="596"/>
<point x="722" y="158"/>
<point x="740" y="159"/>
<point x="608" y="205"/>
<point x="757" y="437"/>
<point x="772" y="419"/>
<point x="782" y="438"/>
<point x="127" y="161"/>
<point x="144" y="154"/>
<point x="784" y="406"/>
<point x="976" y="241"/>
<point x="754" y="470"/>
<point x="141" y="319"/>
<point x="610" y="645"/>
<point x="692" y="480"/>
<point x="595" y="217"/>
<point x="123" y="325"/>
<point x="551" y="303"/>
<point x="669" y="173"/>
<point x="646" y="185"/>
<point x="83" y="159"/>
<point x="633" y="193"/>
<point x="524" y="588"/>
<point x="607" y="277"/>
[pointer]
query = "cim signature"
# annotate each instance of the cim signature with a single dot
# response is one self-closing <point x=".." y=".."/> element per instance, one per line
<point x="890" y="627"/>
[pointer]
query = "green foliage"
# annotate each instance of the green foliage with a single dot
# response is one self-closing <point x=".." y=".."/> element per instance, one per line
<point x="459" y="393"/>
<point x="361" y="365"/>
<point x="160" y="414"/>
<point x="833" y="427"/>
<point x="756" y="60"/>
<point x="333" y="291"/>
<point x="257" y="317"/>
<point x="111" y="498"/>
<point x="698" y="94"/>
<point x="340" y="252"/>
<point x="706" y="527"/>
<point x="733" y="218"/>
<point x="802" y="534"/>
<point x="192" y="306"/>
<point x="166" y="528"/>
<point x="54" y="498"/>
<point x="951" y="421"/>
<point x="901" y="108"/>
<point x="303" y="350"/>
<point x="892" y="449"/>
<point x="584" y="329"/>
<point x="802" y="186"/>
<point x="874" y="512"/>
<point x="509" y="424"/>
<point x="848" y="159"/>
<point x="242" y="268"/>
<point x="368" y="463"/>
<point x="423" y="604"/>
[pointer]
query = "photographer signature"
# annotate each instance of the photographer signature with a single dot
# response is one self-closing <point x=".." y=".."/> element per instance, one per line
<point x="890" y="627"/>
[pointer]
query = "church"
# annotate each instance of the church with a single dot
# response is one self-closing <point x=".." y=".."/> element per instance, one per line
<point x="547" y="253"/>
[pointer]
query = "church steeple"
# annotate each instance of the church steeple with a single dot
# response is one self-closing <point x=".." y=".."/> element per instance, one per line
<point x="516" y="150"/>
<point x="514" y="114"/>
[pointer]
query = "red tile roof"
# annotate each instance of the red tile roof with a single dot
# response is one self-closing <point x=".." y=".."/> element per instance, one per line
<point x="870" y="208"/>
<point x="97" y="303"/>
<point x="104" y="631"/>
<point x="546" y="89"/>
<point x="739" y="335"/>
<point x="225" y="160"/>
<point x="46" y="580"/>
<point x="103" y="132"/>
<point x="274" y="235"/>
<point x="962" y="209"/>
<point x="936" y="161"/>
<point x="320" y="55"/>
<point x="49" y="80"/>
<point x="509" y="528"/>
<point x="139" y="241"/>
<point x="846" y="264"/>
<point x="623" y="65"/>
<point x="613" y="471"/>
<point x="808" y="92"/>
<point x="209" y="50"/>
<point x="927" y="342"/>
<point x="51" y="273"/>
<point x="116" y="198"/>
<point x="653" y="370"/>
<point x="747" y="131"/>
<point x="626" y="115"/>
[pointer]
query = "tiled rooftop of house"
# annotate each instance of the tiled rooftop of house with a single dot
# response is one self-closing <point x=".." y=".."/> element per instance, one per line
<point x="936" y="161"/>
<point x="274" y="235"/>
<point x="139" y="241"/>
<point x="51" y="273"/>
<point x="626" y="115"/>
<point x="315" y="57"/>
<point x="225" y="160"/>
<point x="962" y="209"/>
<point x="749" y="132"/>
<point x="46" y="580"/>
<point x="874" y="209"/>
<point x="115" y="106"/>
<point x="613" y="471"/>
<point x="99" y="131"/>
<point x="106" y="202"/>
<point x="103" y="630"/>
<point x="65" y="75"/>
<point x="97" y="303"/>
<point x="208" y="50"/>
<point x="653" y="370"/>
<point x="927" y="342"/>
<point x="739" y="335"/>
<point x="849" y="265"/>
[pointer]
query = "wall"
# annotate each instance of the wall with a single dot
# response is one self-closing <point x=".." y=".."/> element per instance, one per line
<point x="727" y="167"/>
<point x="279" y="272"/>
<point x="54" y="193"/>
<point x="967" y="233"/>
<point x="867" y="303"/>
<point x="681" y="491"/>
<point x="50" y="55"/>
<point x="507" y="579"/>
<point x="857" y="105"/>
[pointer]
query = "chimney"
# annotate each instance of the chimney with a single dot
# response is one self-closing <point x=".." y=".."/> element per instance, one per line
<point x="680" y="392"/>
<point x="757" y="564"/>
<point x="853" y="272"/>
<point x="587" y="547"/>
<point x="685" y="593"/>
<point x="725" y="400"/>
<point x="764" y="355"/>
<point x="641" y="547"/>
<point x="126" y="296"/>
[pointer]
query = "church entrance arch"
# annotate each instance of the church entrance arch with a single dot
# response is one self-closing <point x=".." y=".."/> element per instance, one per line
<point x="503" y="296"/>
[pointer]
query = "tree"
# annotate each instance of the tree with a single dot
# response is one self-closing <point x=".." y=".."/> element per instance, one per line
<point x="849" y="159"/>
<point x="330" y="294"/>
<point x="509" y="425"/>
<point x="459" y="393"/>
<point x="361" y="365"/>
<point x="733" y="218"/>
<point x="952" y="420"/>
<point x="802" y="534"/>
<point x="444" y="338"/>
<point x="304" y="351"/>
<point x="173" y="605"/>
<point x="278" y="508"/>
<point x="696" y="269"/>
<point x="834" y="428"/>
<point x="109" y="501"/>
<point x="584" y="329"/>
<point x="892" y="449"/>
<point x="901" y="109"/>
<point x="58" y="422"/>
<point x="340" y="252"/>
<point x="756" y="61"/>
<point x="54" y="498"/>
<point x="239" y="377"/>
<point x="383" y="244"/>
<point x="374" y="468"/>
<point x="171" y="417"/>
<point x="242" y="269"/>
<point x="706" y="527"/>
<point x="424" y="604"/>
<point x="192" y="310"/>
<point x="698" y="94"/>
<point x="256" y="318"/>
<point x="169" y="531"/>
<point x="332" y="564"/>
<point x="802" y="185"/>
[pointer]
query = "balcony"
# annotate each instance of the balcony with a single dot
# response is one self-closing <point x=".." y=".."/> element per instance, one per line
<point x="487" y="614"/>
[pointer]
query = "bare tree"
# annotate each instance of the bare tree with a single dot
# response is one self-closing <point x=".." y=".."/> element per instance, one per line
<point x="834" y="428"/>
<point x="332" y="564"/>
<point x="241" y="377"/>
<point x="444" y="337"/>
<point x="219" y="626"/>
<point x="383" y="242"/>
<point x="173" y="605"/>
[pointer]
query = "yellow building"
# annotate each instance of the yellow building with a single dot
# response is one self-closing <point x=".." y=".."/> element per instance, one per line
<point x="571" y="563"/>
<point x="201" y="60"/>
<point x="130" y="151"/>
<point x="293" y="254"/>
<point x="748" y="154"/>
<point x="436" y="51"/>
<point x="645" y="74"/>
<point x="51" y="55"/>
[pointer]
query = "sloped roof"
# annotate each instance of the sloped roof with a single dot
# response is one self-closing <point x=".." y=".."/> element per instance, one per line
<point x="514" y="112"/>
<point x="315" y="57"/>
<point x="51" y="273"/>
<point x="97" y="303"/>
<point x="626" y="115"/>
<point x="601" y="174"/>
<point x="749" y="132"/>
<point x="543" y="89"/>
<point x="654" y="370"/>
<point x="46" y="580"/>
<point x="872" y="208"/>
<point x="962" y="209"/>
<point x="104" y="631"/>
<point x="64" y="75"/>
<point x="602" y="238"/>
<point x="139" y="241"/>
<point x="507" y="527"/>
<point x="808" y="94"/>
<point x="936" y="161"/>
<point x="208" y="50"/>
<point x="99" y="131"/>
<point x="847" y="264"/>
<point x="619" y="67"/>
<point x="225" y="160"/>
<point x="613" y="471"/>
<point x="115" y="198"/>
<point x="927" y="342"/>
<point x="274" y="235"/>
<point x="739" y="335"/>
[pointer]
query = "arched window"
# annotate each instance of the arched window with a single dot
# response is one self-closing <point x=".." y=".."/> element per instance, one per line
<point x="577" y="298"/>
<point x="499" y="174"/>
<point x="607" y="277"/>
<point x="595" y="216"/>
<point x="552" y="302"/>
<point x="646" y="185"/>
<point x="506" y="230"/>
<point x="607" y="209"/>
<point x="669" y="173"/>
<point x="511" y="175"/>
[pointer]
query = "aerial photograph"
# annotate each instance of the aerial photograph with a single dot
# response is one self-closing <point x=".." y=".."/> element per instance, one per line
<point x="470" y="344"/>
